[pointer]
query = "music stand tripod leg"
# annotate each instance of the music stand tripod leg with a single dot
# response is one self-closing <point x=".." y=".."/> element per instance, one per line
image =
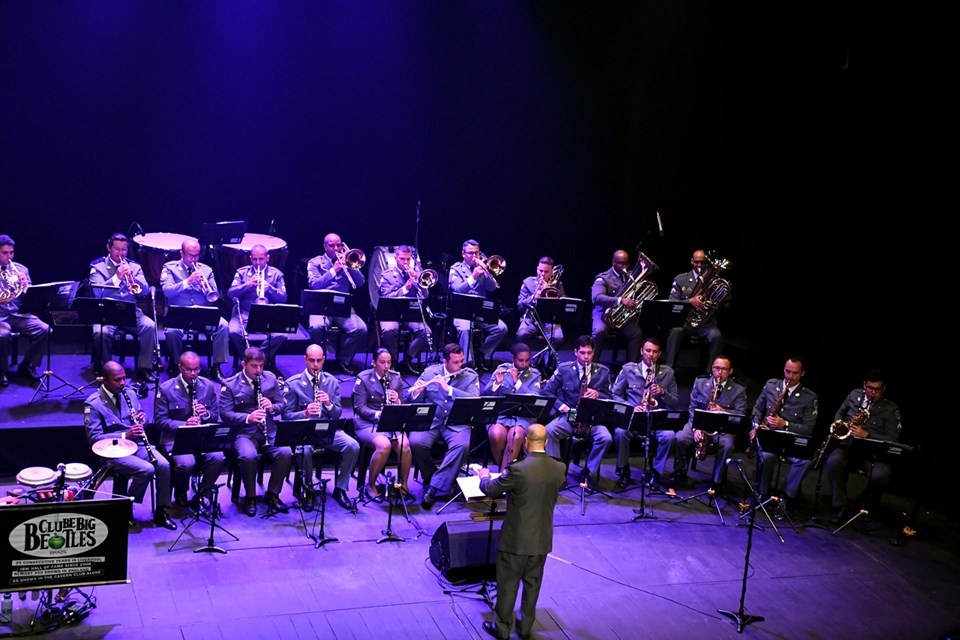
<point x="393" y="494"/>
<point x="321" y="538"/>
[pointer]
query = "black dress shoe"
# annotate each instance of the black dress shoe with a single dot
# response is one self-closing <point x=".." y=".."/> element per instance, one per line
<point x="181" y="499"/>
<point x="249" y="506"/>
<point x="623" y="480"/>
<point x="341" y="497"/>
<point x="429" y="498"/>
<point x="161" y="520"/>
<point x="26" y="371"/>
<point x="274" y="503"/>
<point x="146" y="375"/>
<point x="3" y="379"/>
<point x="409" y="367"/>
<point x="491" y="629"/>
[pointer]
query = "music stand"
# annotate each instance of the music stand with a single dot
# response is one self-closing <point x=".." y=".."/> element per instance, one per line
<point x="326" y="302"/>
<point x="873" y="451"/>
<point x="402" y="418"/>
<point x="659" y="316"/>
<point x="716" y="422"/>
<point x="647" y="423"/>
<point x="399" y="310"/>
<point x="473" y="411"/>
<point x="213" y="234"/>
<point x="103" y="312"/>
<point x="273" y="318"/>
<point x="474" y="309"/>
<point x="598" y="411"/>
<point x="554" y="311"/>
<point x="196" y="440"/>
<point x="319" y="433"/>
<point x="39" y="300"/>
<point x="195" y="318"/>
<point x="527" y="405"/>
<point x="782" y="444"/>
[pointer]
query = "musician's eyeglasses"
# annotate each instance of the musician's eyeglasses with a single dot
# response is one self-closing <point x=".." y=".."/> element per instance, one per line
<point x="471" y="253"/>
<point x="190" y="369"/>
<point x="721" y="368"/>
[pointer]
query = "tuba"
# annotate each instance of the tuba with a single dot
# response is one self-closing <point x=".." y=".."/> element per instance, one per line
<point x="10" y="285"/>
<point x="713" y="290"/>
<point x="840" y="430"/>
<point x="635" y="288"/>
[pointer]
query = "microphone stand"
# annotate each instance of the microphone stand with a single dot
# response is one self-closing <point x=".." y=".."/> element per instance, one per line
<point x="156" y="350"/>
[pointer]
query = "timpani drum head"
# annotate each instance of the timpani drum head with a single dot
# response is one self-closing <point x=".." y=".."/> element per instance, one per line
<point x="154" y="249"/>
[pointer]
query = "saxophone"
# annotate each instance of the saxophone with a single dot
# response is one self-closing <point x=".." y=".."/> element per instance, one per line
<point x="581" y="429"/>
<point x="773" y="411"/>
<point x="701" y="446"/>
<point x="647" y="401"/>
<point x="635" y="288"/>
<point x="840" y="429"/>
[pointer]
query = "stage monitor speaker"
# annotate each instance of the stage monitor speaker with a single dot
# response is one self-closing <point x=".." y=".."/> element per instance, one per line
<point x="459" y="550"/>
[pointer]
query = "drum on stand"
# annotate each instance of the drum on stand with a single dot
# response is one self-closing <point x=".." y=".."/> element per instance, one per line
<point x="77" y="471"/>
<point x="36" y="477"/>
<point x="233" y="256"/>
<point x="154" y="249"/>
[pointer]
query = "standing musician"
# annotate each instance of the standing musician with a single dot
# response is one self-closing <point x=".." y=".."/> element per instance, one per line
<point x="187" y="282"/>
<point x="257" y="283"/>
<point x="403" y="281"/>
<point x="313" y="394"/>
<point x="373" y="389"/>
<point x="440" y="384"/>
<point x="252" y="398"/>
<point x="506" y="434"/>
<point x="572" y="380"/>
<point x="336" y="270"/>
<point x="112" y="413"/>
<point x="604" y="295"/>
<point x="867" y="414"/>
<point x="189" y="399"/>
<point x="14" y="281"/>
<point x="646" y="385"/>
<point x="541" y="285"/>
<point x="689" y="286"/>
<point x="784" y="403"/>
<point x="472" y="277"/>
<point x="128" y="282"/>
<point x="717" y="392"/>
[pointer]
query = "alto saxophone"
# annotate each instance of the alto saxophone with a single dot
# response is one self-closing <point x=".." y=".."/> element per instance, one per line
<point x="647" y="401"/>
<point x="841" y="429"/>
<point x="773" y="411"/>
<point x="700" y="449"/>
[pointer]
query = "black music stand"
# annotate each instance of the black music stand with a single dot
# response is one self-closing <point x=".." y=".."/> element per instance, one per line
<point x="647" y="423"/>
<point x="402" y="419"/>
<point x="195" y="318"/>
<point x="40" y="300"/>
<point x="717" y="422"/>
<point x="545" y="312"/>
<point x="474" y="309"/>
<point x="326" y="302"/>
<point x="196" y="440"/>
<point x="873" y="451"/>
<point x="215" y="234"/>
<point x="474" y="411"/>
<point x="782" y="444"/>
<point x="657" y="317"/>
<point x="273" y="318"/>
<point x="400" y="310"/>
<point x="319" y="433"/>
<point x="598" y="411"/>
<point x="103" y="311"/>
<point x="527" y="405"/>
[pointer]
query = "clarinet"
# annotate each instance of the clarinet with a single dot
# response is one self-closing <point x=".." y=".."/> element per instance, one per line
<point x="263" y="423"/>
<point x="146" y="443"/>
<point x="194" y="403"/>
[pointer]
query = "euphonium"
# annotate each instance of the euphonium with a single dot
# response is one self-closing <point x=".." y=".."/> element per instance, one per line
<point x="773" y="411"/>
<point x="550" y="287"/>
<point x="10" y="285"/>
<point x="132" y="285"/>
<point x="841" y="429"/>
<point x="712" y="289"/>
<point x="700" y="449"/>
<point x="635" y="288"/>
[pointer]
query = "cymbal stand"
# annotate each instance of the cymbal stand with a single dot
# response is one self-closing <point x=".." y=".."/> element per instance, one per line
<point x="393" y="494"/>
<point x="210" y="519"/>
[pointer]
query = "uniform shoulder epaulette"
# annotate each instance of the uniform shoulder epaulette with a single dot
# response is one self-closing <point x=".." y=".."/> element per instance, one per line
<point x="97" y="261"/>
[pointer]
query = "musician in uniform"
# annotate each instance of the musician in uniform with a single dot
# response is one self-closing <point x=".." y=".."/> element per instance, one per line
<point x="249" y="282"/>
<point x="114" y="277"/>
<point x="717" y="392"/>
<point x="688" y="287"/>
<point x="330" y="272"/>
<point x="471" y="277"/>
<point x="646" y="385"/>
<point x="788" y="404"/>
<point x="867" y="414"/>
<point x="606" y="294"/>
<point x="14" y="276"/>
<point x="506" y="434"/>
<point x="532" y="288"/>
<point x="374" y="388"/>
<point x="441" y="384"/>
<point x="573" y="379"/>
<point x="403" y="282"/>
<point x="188" y="282"/>
<point x="315" y="394"/>
<point x="252" y="399"/>
<point x="110" y="413"/>
<point x="189" y="399"/>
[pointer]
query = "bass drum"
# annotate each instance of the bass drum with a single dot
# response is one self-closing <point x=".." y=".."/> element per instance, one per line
<point x="233" y="256"/>
<point x="154" y="249"/>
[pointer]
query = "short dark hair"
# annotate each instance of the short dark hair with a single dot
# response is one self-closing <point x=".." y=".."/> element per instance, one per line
<point x="116" y="237"/>
<point x="405" y="248"/>
<point x="546" y="260"/>
<point x="469" y="242"/>
<point x="520" y="347"/>
<point x="450" y="349"/>
<point x="875" y="375"/>
<point x="652" y="340"/>
<point x="6" y="240"/>
<point x="253" y="354"/>
<point x="583" y="341"/>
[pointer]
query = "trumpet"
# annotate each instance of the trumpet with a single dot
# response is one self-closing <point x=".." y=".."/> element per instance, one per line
<point x="211" y="294"/>
<point x="260" y="273"/>
<point x="132" y="285"/>
<point x="350" y="259"/>
<point x="494" y="266"/>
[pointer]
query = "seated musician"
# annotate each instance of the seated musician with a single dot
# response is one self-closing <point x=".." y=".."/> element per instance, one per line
<point x="188" y="282"/>
<point x="533" y="287"/>
<point x="507" y="433"/>
<point x="471" y="276"/>
<point x="312" y="394"/>
<point x="403" y="281"/>
<point x="375" y="388"/>
<point x="112" y="412"/>
<point x="15" y="277"/>
<point x="867" y="414"/>
<point x="440" y="384"/>
<point x="718" y="392"/>
<point x="646" y="385"/>
<point x="256" y="283"/>
<point x="688" y="286"/>
<point x="606" y="294"/>
<point x="252" y="399"/>
<point x="189" y="399"/>
<point x="784" y="403"/>
<point x="573" y="379"/>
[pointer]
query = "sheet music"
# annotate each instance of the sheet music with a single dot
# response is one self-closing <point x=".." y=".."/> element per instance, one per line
<point x="470" y="486"/>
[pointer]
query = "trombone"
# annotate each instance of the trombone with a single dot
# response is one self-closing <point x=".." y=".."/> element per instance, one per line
<point x="494" y="266"/>
<point x="350" y="259"/>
